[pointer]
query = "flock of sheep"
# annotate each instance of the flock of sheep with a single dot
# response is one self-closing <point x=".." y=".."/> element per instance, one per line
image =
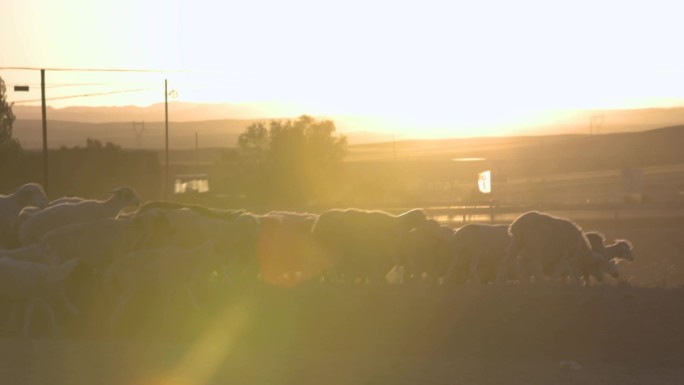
<point x="179" y="248"/>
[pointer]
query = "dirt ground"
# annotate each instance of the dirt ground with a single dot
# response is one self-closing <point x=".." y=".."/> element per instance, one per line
<point x="622" y="333"/>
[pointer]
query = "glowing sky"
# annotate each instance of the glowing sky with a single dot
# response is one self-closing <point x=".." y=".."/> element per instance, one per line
<point x="423" y="63"/>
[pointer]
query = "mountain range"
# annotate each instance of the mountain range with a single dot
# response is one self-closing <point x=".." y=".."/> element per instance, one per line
<point x="219" y="125"/>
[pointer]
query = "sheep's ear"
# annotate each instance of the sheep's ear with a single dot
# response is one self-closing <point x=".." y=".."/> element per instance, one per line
<point x="24" y="197"/>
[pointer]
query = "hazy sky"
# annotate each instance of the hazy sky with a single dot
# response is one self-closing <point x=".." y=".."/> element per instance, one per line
<point x="427" y="63"/>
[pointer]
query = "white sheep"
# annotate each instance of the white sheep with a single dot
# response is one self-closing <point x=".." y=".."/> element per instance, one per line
<point x="98" y="242"/>
<point x="478" y="250"/>
<point x="78" y="212"/>
<point x="360" y="244"/>
<point x="549" y="246"/>
<point x="36" y="283"/>
<point x="167" y="268"/>
<point x="30" y="194"/>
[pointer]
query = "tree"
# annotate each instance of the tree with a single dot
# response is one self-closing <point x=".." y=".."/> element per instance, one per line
<point x="11" y="168"/>
<point x="7" y="142"/>
<point x="293" y="162"/>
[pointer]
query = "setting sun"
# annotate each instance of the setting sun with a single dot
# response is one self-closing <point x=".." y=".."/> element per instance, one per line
<point x="428" y="69"/>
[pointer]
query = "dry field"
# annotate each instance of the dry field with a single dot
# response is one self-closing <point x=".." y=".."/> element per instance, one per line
<point x="628" y="333"/>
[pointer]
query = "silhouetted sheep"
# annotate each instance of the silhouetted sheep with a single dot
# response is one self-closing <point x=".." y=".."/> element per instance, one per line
<point x="70" y="213"/>
<point x="426" y="251"/>
<point x="478" y="250"/>
<point x="286" y="250"/>
<point x="36" y="283"/>
<point x="209" y="212"/>
<point x="99" y="242"/>
<point x="360" y="244"/>
<point x="549" y="246"/>
<point x="30" y="194"/>
<point x="167" y="269"/>
<point x="621" y="249"/>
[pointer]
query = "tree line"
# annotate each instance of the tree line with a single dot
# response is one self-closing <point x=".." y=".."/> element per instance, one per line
<point x="290" y="162"/>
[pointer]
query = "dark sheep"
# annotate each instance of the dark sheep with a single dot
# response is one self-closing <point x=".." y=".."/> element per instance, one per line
<point x="360" y="244"/>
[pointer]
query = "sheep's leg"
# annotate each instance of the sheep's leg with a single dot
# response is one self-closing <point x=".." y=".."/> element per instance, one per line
<point x="115" y="317"/>
<point x="450" y="270"/>
<point x="512" y="252"/>
<point x="538" y="269"/>
<point x="27" y="317"/>
<point x="191" y="296"/>
<point x="168" y="304"/>
<point x="12" y="316"/>
<point x="474" y="267"/>
<point x="69" y="305"/>
<point x="502" y="270"/>
<point x="56" y="331"/>
<point x="119" y="308"/>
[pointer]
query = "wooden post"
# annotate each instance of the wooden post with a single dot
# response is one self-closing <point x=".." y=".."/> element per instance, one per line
<point x="45" y="148"/>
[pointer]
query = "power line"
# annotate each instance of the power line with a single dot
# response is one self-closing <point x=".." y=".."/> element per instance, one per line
<point x="86" y="95"/>
<point x="90" y="69"/>
<point x="60" y="85"/>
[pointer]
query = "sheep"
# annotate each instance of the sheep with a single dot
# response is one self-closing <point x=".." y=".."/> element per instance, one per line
<point x="237" y="238"/>
<point x="549" y="245"/>
<point x="167" y="268"/>
<point x="70" y="213"/>
<point x="425" y="250"/>
<point x="31" y="253"/>
<point x="285" y="251"/>
<point x="209" y="212"/>
<point x="30" y="194"/>
<point x="360" y="244"/>
<point x="478" y="250"/>
<point x="28" y="212"/>
<point x="620" y="249"/>
<point x="36" y="283"/>
<point x="98" y="242"/>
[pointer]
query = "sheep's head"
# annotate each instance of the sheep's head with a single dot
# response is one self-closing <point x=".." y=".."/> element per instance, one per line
<point x="31" y="194"/>
<point x="413" y="218"/>
<point x="624" y="250"/>
<point x="596" y="240"/>
<point x="127" y="196"/>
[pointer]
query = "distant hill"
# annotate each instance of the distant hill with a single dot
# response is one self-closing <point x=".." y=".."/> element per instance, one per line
<point x="210" y="133"/>
<point x="218" y="125"/>
<point x="662" y="145"/>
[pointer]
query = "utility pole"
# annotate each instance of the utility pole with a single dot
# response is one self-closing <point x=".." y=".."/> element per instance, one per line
<point x="166" y="134"/>
<point x="45" y="148"/>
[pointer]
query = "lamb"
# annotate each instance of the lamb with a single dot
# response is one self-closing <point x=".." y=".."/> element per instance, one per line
<point x="70" y="213"/>
<point x="30" y="194"/>
<point x="620" y="249"/>
<point x="167" y="268"/>
<point x="478" y="250"/>
<point x="36" y="283"/>
<point x="549" y="245"/>
<point x="360" y="244"/>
